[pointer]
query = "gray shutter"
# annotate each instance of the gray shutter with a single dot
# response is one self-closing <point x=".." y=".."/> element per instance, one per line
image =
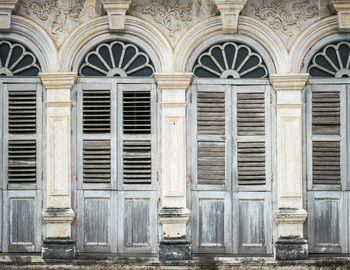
<point x="211" y="112"/>
<point x="252" y="169"/>
<point x="96" y="166"/>
<point x="137" y="135"/>
<point x="326" y="161"/>
<point x="137" y="198"/>
<point x="22" y="173"/>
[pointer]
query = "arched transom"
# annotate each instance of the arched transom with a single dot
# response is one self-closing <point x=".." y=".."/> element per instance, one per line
<point x="230" y="60"/>
<point x="17" y="60"/>
<point x="333" y="60"/>
<point x="116" y="59"/>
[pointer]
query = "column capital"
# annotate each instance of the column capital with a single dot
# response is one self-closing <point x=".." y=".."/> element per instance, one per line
<point x="116" y="11"/>
<point x="289" y="82"/>
<point x="6" y="9"/>
<point x="229" y="10"/>
<point x="58" y="80"/>
<point x="343" y="9"/>
<point x="173" y="81"/>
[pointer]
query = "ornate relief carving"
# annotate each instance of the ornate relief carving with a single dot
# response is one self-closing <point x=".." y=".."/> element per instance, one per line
<point x="281" y="18"/>
<point x="59" y="17"/>
<point x="174" y="17"/>
<point x="287" y="17"/>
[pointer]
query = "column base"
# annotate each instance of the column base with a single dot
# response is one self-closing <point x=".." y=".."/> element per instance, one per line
<point x="58" y="248"/>
<point x="291" y="248"/>
<point x="174" y="249"/>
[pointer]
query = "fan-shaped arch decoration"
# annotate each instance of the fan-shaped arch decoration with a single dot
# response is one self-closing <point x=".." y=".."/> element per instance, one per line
<point x="230" y="60"/>
<point x="17" y="60"/>
<point x="333" y="60"/>
<point x="117" y="59"/>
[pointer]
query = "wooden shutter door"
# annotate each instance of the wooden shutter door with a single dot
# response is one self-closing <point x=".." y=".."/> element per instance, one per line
<point x="96" y="159"/>
<point x="326" y="161"/>
<point x="22" y="146"/>
<point x="209" y="129"/>
<point x="252" y="169"/>
<point x="137" y="198"/>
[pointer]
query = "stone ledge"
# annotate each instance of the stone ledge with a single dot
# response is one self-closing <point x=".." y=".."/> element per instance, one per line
<point x="205" y="262"/>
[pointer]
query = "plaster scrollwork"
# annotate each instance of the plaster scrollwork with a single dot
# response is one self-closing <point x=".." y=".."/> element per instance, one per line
<point x="59" y="17"/>
<point x="174" y="17"/>
<point x="281" y="18"/>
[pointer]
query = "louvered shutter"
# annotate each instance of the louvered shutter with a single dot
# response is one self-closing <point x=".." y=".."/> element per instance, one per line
<point x="95" y="132"/>
<point x="24" y="132"/>
<point x="136" y="103"/>
<point x="22" y="146"/>
<point x="211" y="140"/>
<point x="326" y="137"/>
<point x="251" y="115"/>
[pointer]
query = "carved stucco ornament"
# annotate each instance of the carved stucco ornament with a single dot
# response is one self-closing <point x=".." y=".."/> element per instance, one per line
<point x="173" y="17"/>
<point x="287" y="17"/>
<point x="59" y="17"/>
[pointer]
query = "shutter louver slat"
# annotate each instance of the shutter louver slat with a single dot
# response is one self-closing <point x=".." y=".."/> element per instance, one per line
<point x="96" y="111"/>
<point x="326" y="162"/>
<point x="325" y="113"/>
<point x="137" y="162"/>
<point x="211" y="113"/>
<point x="250" y="114"/>
<point x="96" y="161"/>
<point x="22" y="112"/>
<point x="251" y="163"/>
<point x="137" y="112"/>
<point x="21" y="161"/>
<point x="211" y="163"/>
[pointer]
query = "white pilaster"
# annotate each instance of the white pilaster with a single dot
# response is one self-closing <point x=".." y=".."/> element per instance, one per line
<point x="116" y="10"/>
<point x="290" y="215"/>
<point x="58" y="214"/>
<point x="229" y="10"/>
<point x="343" y="9"/>
<point x="6" y="8"/>
<point x="173" y="214"/>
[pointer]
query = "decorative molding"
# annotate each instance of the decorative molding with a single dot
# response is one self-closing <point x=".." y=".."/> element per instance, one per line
<point x="343" y="9"/>
<point x="116" y="10"/>
<point x="6" y="9"/>
<point x="174" y="221"/>
<point x="59" y="17"/>
<point x="288" y="82"/>
<point x="58" y="215"/>
<point x="290" y="216"/>
<point x="230" y="10"/>
<point x="174" y="17"/>
<point x="279" y="17"/>
<point x="173" y="81"/>
<point x="58" y="80"/>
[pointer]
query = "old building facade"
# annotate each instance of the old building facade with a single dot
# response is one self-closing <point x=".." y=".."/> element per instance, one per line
<point x="175" y="128"/>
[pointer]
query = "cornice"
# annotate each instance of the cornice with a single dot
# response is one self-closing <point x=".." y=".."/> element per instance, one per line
<point x="58" y="80"/>
<point x="173" y="81"/>
<point x="284" y="82"/>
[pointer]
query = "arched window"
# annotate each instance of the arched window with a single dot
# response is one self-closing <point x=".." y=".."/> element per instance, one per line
<point x="21" y="147"/>
<point x="229" y="123"/>
<point x="116" y="150"/>
<point x="327" y="137"/>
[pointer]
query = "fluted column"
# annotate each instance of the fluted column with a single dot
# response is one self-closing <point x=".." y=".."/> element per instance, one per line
<point x="290" y="215"/>
<point x="173" y="213"/>
<point x="58" y="214"/>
